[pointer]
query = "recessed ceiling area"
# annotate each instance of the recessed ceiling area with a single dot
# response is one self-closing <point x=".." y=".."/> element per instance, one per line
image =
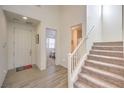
<point x="13" y="17"/>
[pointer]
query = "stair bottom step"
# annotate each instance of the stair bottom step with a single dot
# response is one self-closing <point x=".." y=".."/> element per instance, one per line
<point x="94" y="81"/>
<point x="80" y="84"/>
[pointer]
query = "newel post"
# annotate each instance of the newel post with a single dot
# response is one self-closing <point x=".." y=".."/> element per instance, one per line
<point x="70" y="83"/>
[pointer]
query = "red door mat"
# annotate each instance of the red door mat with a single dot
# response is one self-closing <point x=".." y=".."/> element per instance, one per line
<point x="23" y="67"/>
<point x="28" y="66"/>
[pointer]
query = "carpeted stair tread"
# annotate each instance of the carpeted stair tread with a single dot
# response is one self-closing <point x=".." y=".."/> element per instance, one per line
<point x="80" y="84"/>
<point x="107" y="53"/>
<point x="101" y="72"/>
<point x="106" y="64"/>
<point x="96" y="81"/>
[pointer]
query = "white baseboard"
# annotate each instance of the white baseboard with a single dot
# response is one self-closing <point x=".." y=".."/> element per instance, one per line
<point x="3" y="78"/>
<point x="64" y="65"/>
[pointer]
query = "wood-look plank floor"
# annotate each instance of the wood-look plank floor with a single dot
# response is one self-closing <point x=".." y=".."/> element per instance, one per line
<point x="50" y="62"/>
<point x="53" y="77"/>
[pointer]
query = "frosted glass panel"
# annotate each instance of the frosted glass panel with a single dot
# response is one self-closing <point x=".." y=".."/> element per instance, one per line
<point x="50" y="43"/>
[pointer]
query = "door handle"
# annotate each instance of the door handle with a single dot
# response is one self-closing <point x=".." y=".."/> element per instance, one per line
<point x="4" y="45"/>
<point x="30" y="52"/>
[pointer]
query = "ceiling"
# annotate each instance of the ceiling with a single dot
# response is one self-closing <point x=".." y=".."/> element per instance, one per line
<point x="13" y="17"/>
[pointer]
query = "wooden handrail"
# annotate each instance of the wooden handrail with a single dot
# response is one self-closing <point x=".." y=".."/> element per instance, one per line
<point x="82" y="40"/>
<point x="75" y="58"/>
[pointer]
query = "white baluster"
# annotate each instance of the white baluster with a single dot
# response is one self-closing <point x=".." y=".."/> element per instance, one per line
<point x="70" y="84"/>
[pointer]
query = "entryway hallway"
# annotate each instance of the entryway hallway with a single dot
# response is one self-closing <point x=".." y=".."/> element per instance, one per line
<point x="78" y="54"/>
<point x="53" y="77"/>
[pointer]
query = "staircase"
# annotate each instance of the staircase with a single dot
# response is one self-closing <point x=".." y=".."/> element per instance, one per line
<point x="103" y="68"/>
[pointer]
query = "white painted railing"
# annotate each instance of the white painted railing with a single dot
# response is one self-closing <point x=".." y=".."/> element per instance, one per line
<point x="75" y="59"/>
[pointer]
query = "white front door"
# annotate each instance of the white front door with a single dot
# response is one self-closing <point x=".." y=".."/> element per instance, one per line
<point x="22" y="47"/>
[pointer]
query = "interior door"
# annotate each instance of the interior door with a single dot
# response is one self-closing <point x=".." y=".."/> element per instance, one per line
<point x="50" y="46"/>
<point x="22" y="47"/>
<point x="76" y="36"/>
<point x="74" y="40"/>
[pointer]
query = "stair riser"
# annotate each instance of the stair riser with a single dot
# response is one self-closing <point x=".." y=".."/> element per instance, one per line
<point x="111" y="54"/>
<point x="75" y="86"/>
<point x="82" y="85"/>
<point x="110" y="79"/>
<point x="106" y="68"/>
<point x="108" y="48"/>
<point x="92" y="84"/>
<point x="107" y="60"/>
<point x="110" y="44"/>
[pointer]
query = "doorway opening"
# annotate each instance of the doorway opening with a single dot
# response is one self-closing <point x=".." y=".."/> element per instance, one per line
<point x="21" y="41"/>
<point x="50" y="46"/>
<point x="76" y="36"/>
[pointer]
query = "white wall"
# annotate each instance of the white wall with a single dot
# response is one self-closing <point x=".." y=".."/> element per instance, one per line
<point x="3" y="47"/>
<point x="112" y="23"/>
<point x="93" y="19"/>
<point x="10" y="28"/>
<point x="41" y="54"/>
<point x="107" y="21"/>
<point x="123" y="26"/>
<point x="123" y="22"/>
<point x="69" y="16"/>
